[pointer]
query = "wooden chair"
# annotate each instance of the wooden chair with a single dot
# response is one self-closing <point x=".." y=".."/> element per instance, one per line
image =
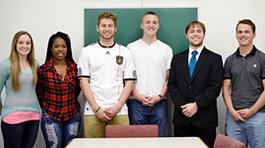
<point x="130" y="131"/>
<point x="223" y="141"/>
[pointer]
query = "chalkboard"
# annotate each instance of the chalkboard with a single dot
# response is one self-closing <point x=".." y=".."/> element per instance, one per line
<point x="172" y="25"/>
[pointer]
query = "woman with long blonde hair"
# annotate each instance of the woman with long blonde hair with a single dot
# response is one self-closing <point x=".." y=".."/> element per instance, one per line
<point x="20" y="109"/>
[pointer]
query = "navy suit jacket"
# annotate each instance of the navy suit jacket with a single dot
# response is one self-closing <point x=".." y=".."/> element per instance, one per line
<point x="203" y="87"/>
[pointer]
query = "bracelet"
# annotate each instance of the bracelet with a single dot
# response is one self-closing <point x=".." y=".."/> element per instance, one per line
<point x="98" y="109"/>
<point x="161" y="97"/>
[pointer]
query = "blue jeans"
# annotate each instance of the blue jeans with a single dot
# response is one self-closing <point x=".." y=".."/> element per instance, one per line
<point x="22" y="135"/>
<point x="58" y="134"/>
<point x="140" y="115"/>
<point x="251" y="132"/>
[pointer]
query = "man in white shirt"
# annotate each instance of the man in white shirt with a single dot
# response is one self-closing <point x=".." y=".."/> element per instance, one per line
<point x="102" y="68"/>
<point x="152" y="58"/>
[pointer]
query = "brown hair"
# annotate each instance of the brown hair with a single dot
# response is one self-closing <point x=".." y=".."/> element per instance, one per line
<point x="195" y="23"/>
<point x="149" y="13"/>
<point x="15" y="66"/>
<point x="248" y="22"/>
<point x="109" y="15"/>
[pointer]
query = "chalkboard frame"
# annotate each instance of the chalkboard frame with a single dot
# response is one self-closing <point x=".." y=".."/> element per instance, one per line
<point x="172" y="25"/>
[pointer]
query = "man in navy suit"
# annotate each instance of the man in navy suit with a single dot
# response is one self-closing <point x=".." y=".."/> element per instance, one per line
<point x="195" y="82"/>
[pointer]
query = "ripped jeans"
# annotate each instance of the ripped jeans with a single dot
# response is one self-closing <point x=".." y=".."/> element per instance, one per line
<point x="57" y="134"/>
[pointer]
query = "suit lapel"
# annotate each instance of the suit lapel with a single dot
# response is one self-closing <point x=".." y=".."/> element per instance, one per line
<point x="185" y="65"/>
<point x="199" y="63"/>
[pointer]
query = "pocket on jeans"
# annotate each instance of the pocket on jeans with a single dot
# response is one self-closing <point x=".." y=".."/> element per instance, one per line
<point x="77" y="117"/>
<point x="44" y="114"/>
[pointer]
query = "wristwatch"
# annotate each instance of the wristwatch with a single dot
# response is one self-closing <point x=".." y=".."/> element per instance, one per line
<point x="161" y="97"/>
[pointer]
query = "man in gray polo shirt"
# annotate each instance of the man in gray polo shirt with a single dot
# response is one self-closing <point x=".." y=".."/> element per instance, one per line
<point x="243" y="89"/>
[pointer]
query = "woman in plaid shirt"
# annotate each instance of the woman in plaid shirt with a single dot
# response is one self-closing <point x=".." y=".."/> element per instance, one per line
<point x="57" y="91"/>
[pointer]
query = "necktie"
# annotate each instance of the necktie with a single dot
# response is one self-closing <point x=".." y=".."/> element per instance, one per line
<point x="192" y="62"/>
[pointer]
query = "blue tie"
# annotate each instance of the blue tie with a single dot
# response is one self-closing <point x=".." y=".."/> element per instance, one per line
<point x="192" y="62"/>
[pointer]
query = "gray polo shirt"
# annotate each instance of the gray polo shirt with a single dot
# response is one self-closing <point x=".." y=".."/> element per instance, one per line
<point x="246" y="74"/>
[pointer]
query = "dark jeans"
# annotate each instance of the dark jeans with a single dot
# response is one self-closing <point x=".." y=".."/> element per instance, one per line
<point x="57" y="134"/>
<point x="22" y="135"/>
<point x="140" y="115"/>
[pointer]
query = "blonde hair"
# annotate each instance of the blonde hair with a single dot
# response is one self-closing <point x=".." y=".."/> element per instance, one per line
<point x="15" y="66"/>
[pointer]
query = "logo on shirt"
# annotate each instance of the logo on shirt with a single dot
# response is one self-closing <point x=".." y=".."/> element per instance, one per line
<point x="119" y="59"/>
<point x="107" y="53"/>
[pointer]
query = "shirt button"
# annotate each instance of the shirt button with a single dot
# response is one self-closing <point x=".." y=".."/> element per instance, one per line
<point x="189" y="87"/>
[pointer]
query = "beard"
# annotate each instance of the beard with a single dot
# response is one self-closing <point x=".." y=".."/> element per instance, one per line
<point x="196" y="44"/>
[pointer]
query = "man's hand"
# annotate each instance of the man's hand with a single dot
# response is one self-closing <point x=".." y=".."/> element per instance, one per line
<point x="246" y="113"/>
<point x="146" y="100"/>
<point x="101" y="115"/>
<point x="189" y="109"/>
<point x="142" y="98"/>
<point x="112" y="111"/>
<point x="153" y="100"/>
<point x="236" y="116"/>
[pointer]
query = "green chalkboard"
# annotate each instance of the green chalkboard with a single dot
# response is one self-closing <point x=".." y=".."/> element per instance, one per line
<point x="172" y="25"/>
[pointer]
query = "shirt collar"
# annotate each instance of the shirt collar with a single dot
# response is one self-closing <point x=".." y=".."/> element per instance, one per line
<point x="199" y="50"/>
<point x="253" y="51"/>
<point x="50" y="63"/>
<point x="69" y="64"/>
<point x="107" y="46"/>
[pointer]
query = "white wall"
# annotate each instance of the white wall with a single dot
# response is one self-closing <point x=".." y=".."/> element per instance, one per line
<point x="43" y="18"/>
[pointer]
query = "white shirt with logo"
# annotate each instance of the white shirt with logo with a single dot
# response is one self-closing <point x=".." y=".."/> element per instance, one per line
<point x="106" y="68"/>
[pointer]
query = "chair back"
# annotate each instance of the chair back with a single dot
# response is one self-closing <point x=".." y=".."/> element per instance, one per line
<point x="130" y="131"/>
<point x="223" y="141"/>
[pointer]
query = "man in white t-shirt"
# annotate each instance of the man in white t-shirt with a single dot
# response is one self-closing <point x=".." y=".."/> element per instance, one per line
<point x="152" y="58"/>
<point x="103" y="69"/>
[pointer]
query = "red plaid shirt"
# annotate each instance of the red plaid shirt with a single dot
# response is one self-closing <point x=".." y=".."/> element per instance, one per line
<point x="58" y="97"/>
